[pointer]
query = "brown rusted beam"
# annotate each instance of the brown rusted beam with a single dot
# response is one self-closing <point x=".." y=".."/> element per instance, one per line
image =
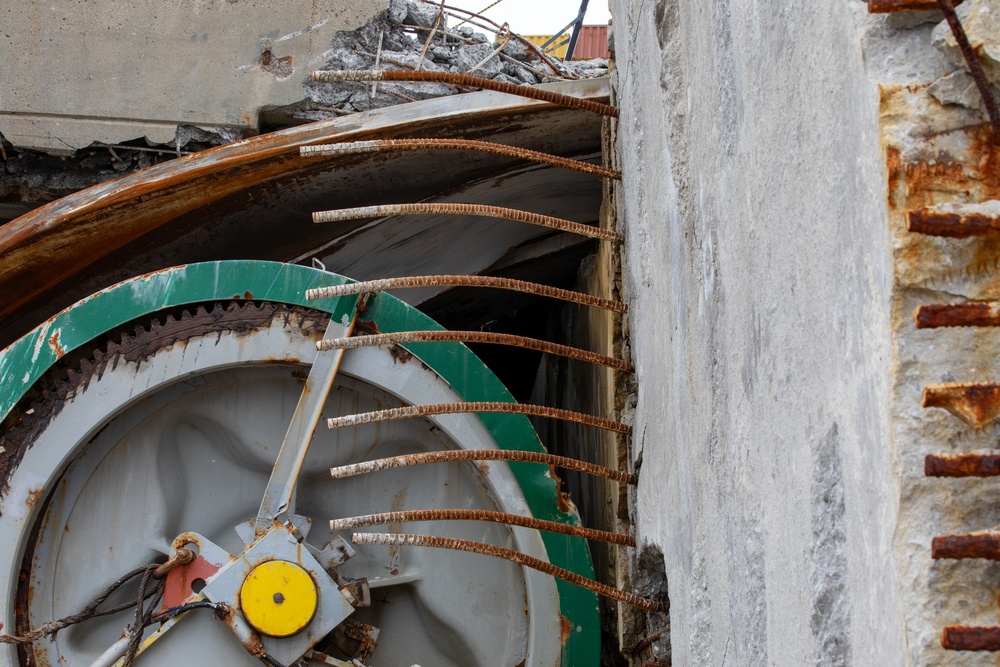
<point x="975" y="545"/>
<point x="449" y="456"/>
<point x="975" y="404"/>
<point x="333" y="76"/>
<point x="411" y="411"/>
<point x="888" y="6"/>
<point x="951" y="224"/>
<point x="962" y="465"/>
<point x="977" y="314"/>
<point x="392" y="539"/>
<point x="494" y="282"/>
<point x="965" y="638"/>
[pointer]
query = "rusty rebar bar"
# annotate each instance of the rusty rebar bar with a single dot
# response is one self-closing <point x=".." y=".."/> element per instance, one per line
<point x="488" y="337"/>
<point x="379" y="145"/>
<point x="409" y="411"/>
<point x="495" y="282"/>
<point x="962" y="465"/>
<point x="478" y="210"/>
<point x="386" y="539"/>
<point x="976" y="314"/>
<point x="451" y="456"/>
<point x="361" y="76"/>
<point x="977" y="404"/>
<point x="975" y="67"/>
<point x="887" y="6"/>
<point x="966" y="638"/>
<point x="975" y="545"/>
<point x="951" y="224"/>
<point x="410" y="516"/>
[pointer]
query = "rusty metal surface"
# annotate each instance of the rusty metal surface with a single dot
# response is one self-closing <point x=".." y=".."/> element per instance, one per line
<point x="952" y="225"/>
<point x="376" y="146"/>
<point x="250" y="199"/>
<point x="962" y="465"/>
<point x="978" y="314"/>
<point x="977" y="404"/>
<point x="410" y="411"/>
<point x="409" y="516"/>
<point x="482" y="455"/>
<point x="966" y="638"/>
<point x="466" y="281"/>
<point x="468" y="80"/>
<point x="886" y="6"/>
<point x="471" y="210"/>
<point x="974" y="545"/>
<point x="514" y="556"/>
<point x="486" y="337"/>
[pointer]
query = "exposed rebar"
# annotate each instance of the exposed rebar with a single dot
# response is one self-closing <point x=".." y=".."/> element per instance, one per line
<point x="489" y="337"/>
<point x="497" y="282"/>
<point x="386" y="539"/>
<point x="975" y="67"/>
<point x="361" y="76"/>
<point x="450" y="456"/>
<point x="409" y="411"/>
<point x="379" y="145"/>
<point x="410" y="516"/>
<point x="478" y="210"/>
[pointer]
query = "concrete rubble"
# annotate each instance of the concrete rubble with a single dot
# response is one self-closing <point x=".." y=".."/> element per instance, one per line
<point x="396" y="38"/>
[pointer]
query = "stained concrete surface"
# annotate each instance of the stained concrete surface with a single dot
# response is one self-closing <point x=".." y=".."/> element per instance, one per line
<point x="758" y="269"/>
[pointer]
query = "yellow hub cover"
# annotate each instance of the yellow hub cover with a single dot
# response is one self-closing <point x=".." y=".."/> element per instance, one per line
<point x="278" y="598"/>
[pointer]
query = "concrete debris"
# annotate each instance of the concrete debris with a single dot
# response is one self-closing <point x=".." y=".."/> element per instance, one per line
<point x="453" y="48"/>
<point x="396" y="38"/>
<point x="981" y="20"/>
<point x="957" y="88"/>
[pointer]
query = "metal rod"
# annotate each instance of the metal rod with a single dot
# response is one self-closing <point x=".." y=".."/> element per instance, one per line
<point x="977" y="404"/>
<point x="478" y="210"/>
<point x="577" y="26"/>
<point x="278" y="494"/>
<point x="965" y="638"/>
<point x="328" y="76"/>
<point x="481" y="515"/>
<point x="379" y="145"/>
<point x="469" y="546"/>
<point x="975" y="67"/>
<point x="409" y="411"/>
<point x="962" y="465"/>
<point x="489" y="337"/>
<point x="976" y="545"/>
<point x="977" y="314"/>
<point x="451" y="456"/>
<point x="496" y="282"/>
<point x="950" y="224"/>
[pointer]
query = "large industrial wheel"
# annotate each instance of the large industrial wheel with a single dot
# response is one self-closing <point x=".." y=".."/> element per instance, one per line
<point x="116" y="444"/>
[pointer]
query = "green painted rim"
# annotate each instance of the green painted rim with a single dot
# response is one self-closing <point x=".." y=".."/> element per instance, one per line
<point x="31" y="356"/>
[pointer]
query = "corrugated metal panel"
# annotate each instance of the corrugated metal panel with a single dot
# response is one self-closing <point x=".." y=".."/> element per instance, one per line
<point x="592" y="43"/>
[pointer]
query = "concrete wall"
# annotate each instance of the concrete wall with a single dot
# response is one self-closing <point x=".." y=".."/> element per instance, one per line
<point x="758" y="269"/>
<point x="149" y="66"/>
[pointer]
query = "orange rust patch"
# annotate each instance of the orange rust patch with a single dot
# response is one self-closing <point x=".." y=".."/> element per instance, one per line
<point x="965" y="638"/>
<point x="961" y="465"/>
<point x="33" y="497"/>
<point x="975" y="404"/>
<point x="565" y="629"/>
<point x="56" y="347"/>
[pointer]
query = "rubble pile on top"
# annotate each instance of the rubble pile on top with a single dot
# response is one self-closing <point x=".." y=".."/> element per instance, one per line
<point x="412" y="34"/>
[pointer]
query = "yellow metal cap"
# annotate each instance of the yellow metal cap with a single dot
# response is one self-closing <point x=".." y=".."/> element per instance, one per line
<point x="278" y="598"/>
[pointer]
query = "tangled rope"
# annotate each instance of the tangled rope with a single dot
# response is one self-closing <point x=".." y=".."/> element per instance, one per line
<point x="91" y="610"/>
